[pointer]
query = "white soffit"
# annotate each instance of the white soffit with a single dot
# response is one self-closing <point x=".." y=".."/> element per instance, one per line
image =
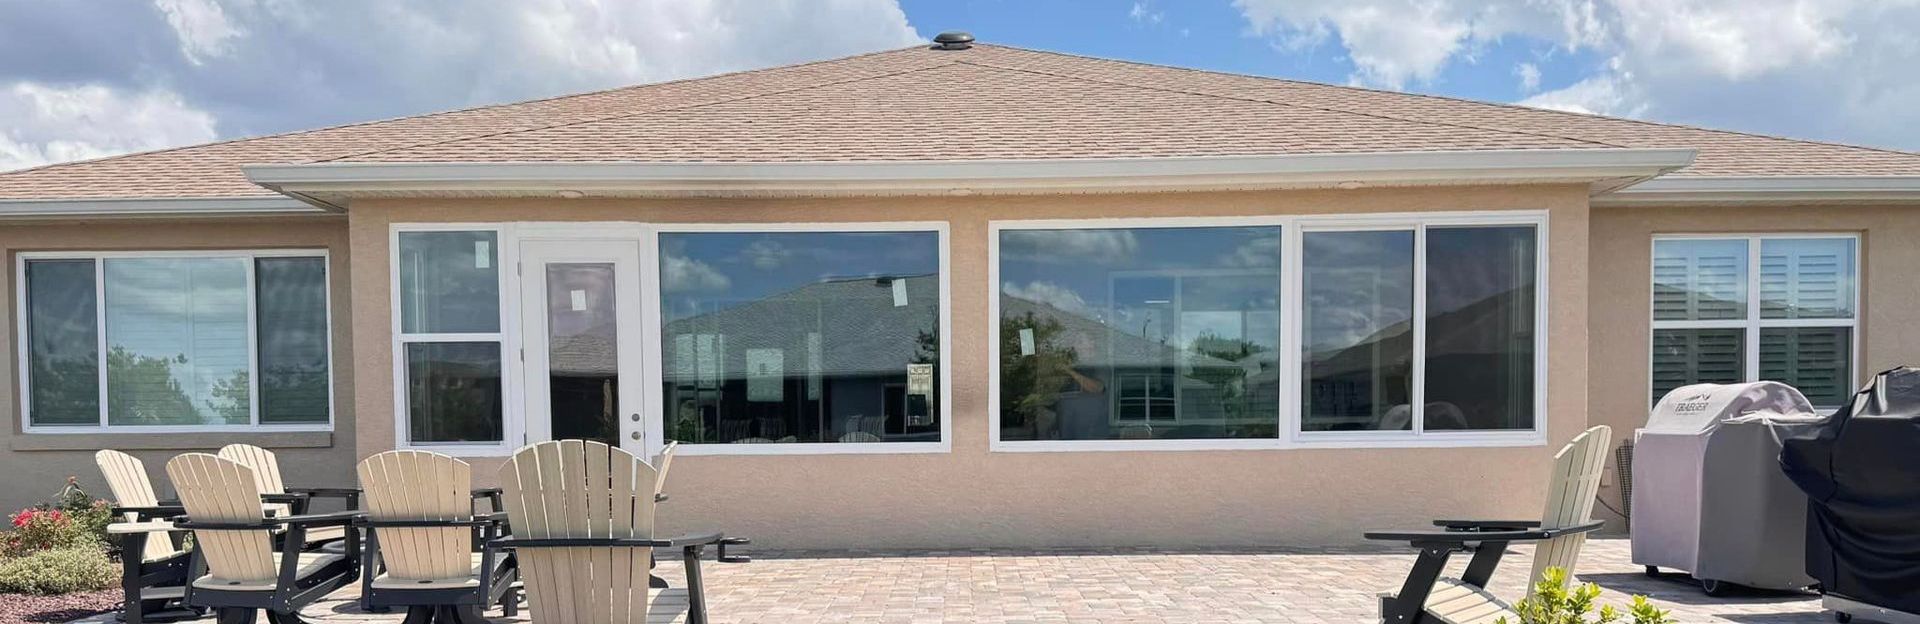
<point x="1709" y="190"/>
<point x="1604" y="168"/>
<point x="157" y="207"/>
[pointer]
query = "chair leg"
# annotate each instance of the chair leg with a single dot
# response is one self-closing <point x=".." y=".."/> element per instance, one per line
<point x="1409" y="606"/>
<point x="237" y="615"/>
<point x="418" y="615"/>
<point x="696" y="592"/>
<point x="510" y="603"/>
<point x="461" y="614"/>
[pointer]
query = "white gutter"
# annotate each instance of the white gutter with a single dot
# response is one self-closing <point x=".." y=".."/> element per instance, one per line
<point x="1765" y="190"/>
<point x="1609" y="167"/>
<point x="157" y="207"/>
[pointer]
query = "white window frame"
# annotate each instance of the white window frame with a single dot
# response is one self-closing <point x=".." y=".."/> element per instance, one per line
<point x="1292" y="229"/>
<point x="99" y="259"/>
<point x="650" y="284"/>
<point x="1753" y="323"/>
<point x="508" y="236"/>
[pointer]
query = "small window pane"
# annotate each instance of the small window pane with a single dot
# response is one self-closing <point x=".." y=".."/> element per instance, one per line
<point x="1817" y="360"/>
<point x="801" y="337"/>
<point x="177" y="350"/>
<point x="449" y="283"/>
<point x="453" y="392"/>
<point x="292" y="325"/>
<point x="1806" y="278"/>
<point x="1146" y="333"/>
<point x="63" y="343"/>
<point x="1480" y="328"/>
<point x="1357" y="361"/>
<point x="1699" y="280"/>
<point x="1689" y="356"/>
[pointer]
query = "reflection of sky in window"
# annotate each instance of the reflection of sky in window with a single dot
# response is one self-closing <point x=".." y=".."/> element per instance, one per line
<point x="1223" y="280"/>
<point x="704" y="268"/>
<point x="1357" y="284"/>
<point x="190" y="313"/>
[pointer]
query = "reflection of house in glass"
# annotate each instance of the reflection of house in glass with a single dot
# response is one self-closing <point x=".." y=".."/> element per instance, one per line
<point x="840" y="360"/>
<point x="1157" y="371"/>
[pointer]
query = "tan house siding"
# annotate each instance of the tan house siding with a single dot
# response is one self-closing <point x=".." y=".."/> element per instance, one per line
<point x="35" y="466"/>
<point x="972" y="497"/>
<point x="1889" y="323"/>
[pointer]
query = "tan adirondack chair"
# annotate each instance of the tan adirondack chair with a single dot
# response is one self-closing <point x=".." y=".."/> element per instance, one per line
<point x="278" y="499"/>
<point x="1558" y="536"/>
<point x="421" y="528"/>
<point x="153" y="583"/>
<point x="235" y="539"/>
<point x="582" y="518"/>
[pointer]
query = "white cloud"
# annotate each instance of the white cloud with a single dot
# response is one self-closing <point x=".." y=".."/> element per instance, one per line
<point x="201" y="25"/>
<point x="1259" y="252"/>
<point x="1049" y="293"/>
<point x="267" y="66"/>
<point x="1144" y="13"/>
<point x="682" y="274"/>
<point x="45" y="123"/>
<point x="1529" y="75"/>
<point x="1828" y="69"/>
<point x="1070" y="246"/>
<point x="766" y="255"/>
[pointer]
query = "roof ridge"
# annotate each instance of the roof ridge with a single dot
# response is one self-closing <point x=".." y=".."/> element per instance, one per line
<point x="626" y="115"/>
<point x="1448" y="98"/>
<point x="442" y="113"/>
<point x="1296" y="105"/>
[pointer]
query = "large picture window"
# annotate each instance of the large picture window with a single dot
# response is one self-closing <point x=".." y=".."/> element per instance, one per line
<point x="787" y="337"/>
<point x="1267" y="332"/>
<point x="447" y="286"/>
<point x="1139" y="333"/>
<point x="176" y="341"/>
<point x="1733" y="309"/>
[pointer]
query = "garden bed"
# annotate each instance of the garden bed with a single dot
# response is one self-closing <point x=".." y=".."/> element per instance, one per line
<point x="24" y="608"/>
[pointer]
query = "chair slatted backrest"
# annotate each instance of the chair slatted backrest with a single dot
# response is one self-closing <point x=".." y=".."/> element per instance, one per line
<point x="420" y="485"/>
<point x="127" y="478"/>
<point x="217" y="489"/>
<point x="266" y="467"/>
<point x="581" y="489"/>
<point x="1570" y="495"/>
<point x="660" y="464"/>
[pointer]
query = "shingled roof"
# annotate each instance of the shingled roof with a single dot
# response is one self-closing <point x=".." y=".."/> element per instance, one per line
<point x="920" y="104"/>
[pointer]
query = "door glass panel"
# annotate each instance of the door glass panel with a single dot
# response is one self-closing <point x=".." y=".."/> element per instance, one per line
<point x="583" y="361"/>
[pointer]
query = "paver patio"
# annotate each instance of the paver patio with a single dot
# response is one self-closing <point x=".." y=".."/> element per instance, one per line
<point x="1125" y="585"/>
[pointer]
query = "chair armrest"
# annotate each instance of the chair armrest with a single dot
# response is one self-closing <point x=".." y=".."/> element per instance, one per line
<point x="1464" y="537"/>
<point x="1486" y="525"/>
<point x="340" y="518"/>
<point x="151" y="512"/>
<point x="156" y="526"/>
<point x="485" y="492"/>
<point x="590" y="542"/>
<point x="289" y="497"/>
<point x="325" y="492"/>
<point x="395" y="524"/>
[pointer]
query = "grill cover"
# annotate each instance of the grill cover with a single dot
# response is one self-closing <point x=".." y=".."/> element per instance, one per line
<point x="1861" y="470"/>
<point x="1708" y="497"/>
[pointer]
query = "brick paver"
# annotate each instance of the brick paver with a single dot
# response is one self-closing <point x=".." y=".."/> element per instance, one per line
<point x="1127" y="586"/>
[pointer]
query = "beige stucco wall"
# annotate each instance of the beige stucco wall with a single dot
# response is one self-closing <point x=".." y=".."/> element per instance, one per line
<point x="1889" y="324"/>
<point x="971" y="497"/>
<point x="34" y="467"/>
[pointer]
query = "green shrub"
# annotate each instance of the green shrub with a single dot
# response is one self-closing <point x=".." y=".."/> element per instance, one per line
<point x="58" y="571"/>
<point x="1553" y="603"/>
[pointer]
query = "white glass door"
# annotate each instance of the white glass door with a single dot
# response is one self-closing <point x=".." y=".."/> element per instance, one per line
<point x="580" y="328"/>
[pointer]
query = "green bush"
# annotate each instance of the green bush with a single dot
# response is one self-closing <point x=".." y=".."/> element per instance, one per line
<point x="1553" y="603"/>
<point x="58" y="571"/>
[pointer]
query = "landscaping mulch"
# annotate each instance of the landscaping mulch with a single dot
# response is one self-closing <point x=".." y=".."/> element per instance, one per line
<point x="24" y="608"/>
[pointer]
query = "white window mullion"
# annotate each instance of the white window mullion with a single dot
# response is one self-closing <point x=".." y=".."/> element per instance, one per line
<point x="1418" y="323"/>
<point x="253" y="344"/>
<point x="1753" y="310"/>
<point x="100" y="330"/>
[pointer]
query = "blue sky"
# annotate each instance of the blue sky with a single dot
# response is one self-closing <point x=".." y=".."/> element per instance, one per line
<point x="89" y="79"/>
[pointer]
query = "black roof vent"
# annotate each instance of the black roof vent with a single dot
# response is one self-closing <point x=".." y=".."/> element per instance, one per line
<point x="953" y="40"/>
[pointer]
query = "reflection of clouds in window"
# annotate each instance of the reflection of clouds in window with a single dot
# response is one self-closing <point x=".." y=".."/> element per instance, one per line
<point x="1358" y="285"/>
<point x="1069" y="246"/>
<point x="1259" y="252"/>
<point x="1048" y="293"/>
<point x="766" y="254"/>
<point x="681" y="274"/>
